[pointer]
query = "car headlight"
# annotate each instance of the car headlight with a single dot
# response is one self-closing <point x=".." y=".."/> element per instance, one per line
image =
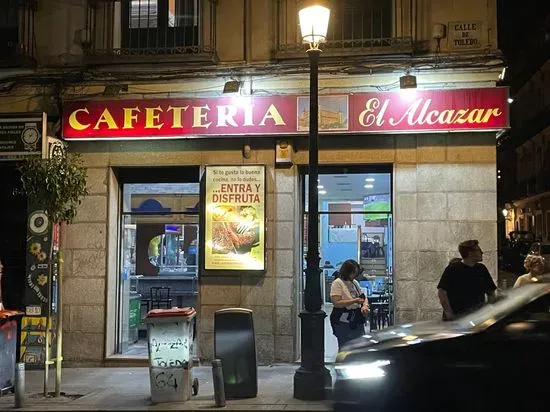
<point x="370" y="370"/>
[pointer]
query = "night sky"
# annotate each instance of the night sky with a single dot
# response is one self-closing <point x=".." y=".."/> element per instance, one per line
<point x="523" y="27"/>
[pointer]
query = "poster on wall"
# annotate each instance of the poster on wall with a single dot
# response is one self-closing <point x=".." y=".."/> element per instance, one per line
<point x="33" y="341"/>
<point x="235" y="218"/>
<point x="40" y="288"/>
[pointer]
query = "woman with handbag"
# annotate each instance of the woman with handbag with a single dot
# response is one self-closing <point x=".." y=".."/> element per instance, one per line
<point x="350" y="304"/>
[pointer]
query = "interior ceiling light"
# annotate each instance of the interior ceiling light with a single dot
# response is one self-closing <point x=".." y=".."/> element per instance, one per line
<point x="322" y="192"/>
<point x="320" y="187"/>
<point x="369" y="186"/>
<point x="370" y="179"/>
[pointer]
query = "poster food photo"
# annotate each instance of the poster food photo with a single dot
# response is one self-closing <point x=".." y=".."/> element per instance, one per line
<point x="235" y="218"/>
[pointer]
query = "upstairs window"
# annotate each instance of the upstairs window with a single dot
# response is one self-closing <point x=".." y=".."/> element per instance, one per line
<point x="360" y="19"/>
<point x="356" y="27"/>
<point x="177" y="29"/>
<point x="160" y="24"/>
<point x="17" y="41"/>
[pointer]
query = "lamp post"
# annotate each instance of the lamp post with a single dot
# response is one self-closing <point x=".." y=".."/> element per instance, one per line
<point x="312" y="376"/>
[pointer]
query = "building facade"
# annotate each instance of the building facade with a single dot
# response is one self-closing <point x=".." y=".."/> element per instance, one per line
<point x="524" y="150"/>
<point x="398" y="200"/>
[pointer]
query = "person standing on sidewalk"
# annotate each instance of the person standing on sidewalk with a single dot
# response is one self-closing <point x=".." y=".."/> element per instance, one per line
<point x="465" y="284"/>
<point x="534" y="265"/>
<point x="350" y="304"/>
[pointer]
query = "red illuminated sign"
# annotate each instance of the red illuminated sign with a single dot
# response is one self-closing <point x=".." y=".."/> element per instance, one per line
<point x="398" y="111"/>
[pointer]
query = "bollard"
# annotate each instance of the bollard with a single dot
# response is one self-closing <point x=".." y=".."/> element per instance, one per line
<point x="19" y="385"/>
<point x="217" y="379"/>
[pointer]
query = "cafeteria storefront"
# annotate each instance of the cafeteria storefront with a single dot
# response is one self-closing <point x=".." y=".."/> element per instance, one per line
<point x="403" y="179"/>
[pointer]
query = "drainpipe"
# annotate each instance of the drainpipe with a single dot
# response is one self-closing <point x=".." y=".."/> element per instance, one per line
<point x="246" y="31"/>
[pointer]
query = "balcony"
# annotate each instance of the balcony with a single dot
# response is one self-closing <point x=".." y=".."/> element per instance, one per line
<point x="17" y="41"/>
<point x="141" y="31"/>
<point x="357" y="28"/>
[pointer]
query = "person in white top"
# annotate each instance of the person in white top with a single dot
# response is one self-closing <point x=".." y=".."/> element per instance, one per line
<point x="350" y="304"/>
<point x="535" y="266"/>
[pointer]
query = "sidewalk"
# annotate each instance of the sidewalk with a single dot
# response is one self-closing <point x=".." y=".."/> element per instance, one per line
<point x="109" y="389"/>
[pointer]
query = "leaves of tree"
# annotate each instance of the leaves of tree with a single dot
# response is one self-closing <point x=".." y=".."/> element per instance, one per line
<point x="57" y="185"/>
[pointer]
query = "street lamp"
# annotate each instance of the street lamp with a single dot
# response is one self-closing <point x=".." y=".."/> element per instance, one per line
<point x="312" y="376"/>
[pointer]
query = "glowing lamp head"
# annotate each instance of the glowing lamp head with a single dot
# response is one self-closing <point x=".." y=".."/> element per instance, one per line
<point x="314" y="16"/>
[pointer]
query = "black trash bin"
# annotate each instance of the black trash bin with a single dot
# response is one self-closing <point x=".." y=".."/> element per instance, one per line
<point x="10" y="326"/>
<point x="235" y="345"/>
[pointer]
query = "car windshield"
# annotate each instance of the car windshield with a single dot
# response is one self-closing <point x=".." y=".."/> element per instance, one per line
<point x="508" y="302"/>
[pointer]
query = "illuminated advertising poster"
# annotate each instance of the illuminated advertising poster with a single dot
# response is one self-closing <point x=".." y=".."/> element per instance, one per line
<point x="235" y="218"/>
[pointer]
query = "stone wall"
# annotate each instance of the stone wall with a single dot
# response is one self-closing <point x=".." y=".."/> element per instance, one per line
<point x="444" y="196"/>
<point x="444" y="192"/>
<point x="88" y="281"/>
<point x="270" y="296"/>
<point x="84" y="285"/>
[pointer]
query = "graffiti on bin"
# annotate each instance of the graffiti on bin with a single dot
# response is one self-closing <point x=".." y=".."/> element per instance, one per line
<point x="175" y="344"/>
<point x="166" y="380"/>
<point x="167" y="363"/>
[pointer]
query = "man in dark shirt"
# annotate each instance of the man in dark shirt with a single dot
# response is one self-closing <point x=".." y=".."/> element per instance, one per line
<point x="464" y="284"/>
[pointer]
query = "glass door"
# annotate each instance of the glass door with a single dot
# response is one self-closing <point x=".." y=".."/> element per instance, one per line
<point x="355" y="222"/>
<point x="159" y="257"/>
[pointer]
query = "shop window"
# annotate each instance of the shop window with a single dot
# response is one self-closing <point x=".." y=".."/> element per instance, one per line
<point x="159" y="255"/>
<point x="355" y="222"/>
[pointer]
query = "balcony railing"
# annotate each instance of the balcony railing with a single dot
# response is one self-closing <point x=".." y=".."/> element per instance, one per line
<point x="357" y="27"/>
<point x="144" y="30"/>
<point x="17" y="41"/>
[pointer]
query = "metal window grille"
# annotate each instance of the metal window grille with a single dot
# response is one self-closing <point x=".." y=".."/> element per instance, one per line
<point x="360" y="26"/>
<point x="17" y="39"/>
<point x="148" y="27"/>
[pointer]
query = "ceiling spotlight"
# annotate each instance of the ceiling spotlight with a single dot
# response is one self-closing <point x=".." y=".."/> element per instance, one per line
<point x="369" y="186"/>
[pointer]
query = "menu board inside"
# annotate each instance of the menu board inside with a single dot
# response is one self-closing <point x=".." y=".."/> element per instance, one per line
<point x="235" y="218"/>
